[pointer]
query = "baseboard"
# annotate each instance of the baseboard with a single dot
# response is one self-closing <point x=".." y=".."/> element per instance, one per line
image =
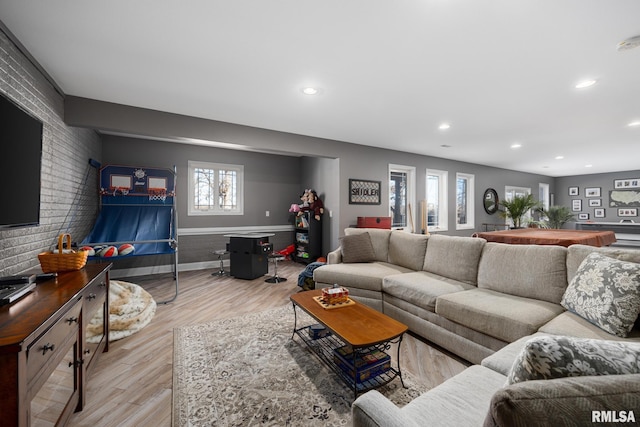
<point x="162" y="269"/>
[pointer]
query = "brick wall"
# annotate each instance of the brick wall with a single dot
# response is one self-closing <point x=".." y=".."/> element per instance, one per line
<point x="69" y="197"/>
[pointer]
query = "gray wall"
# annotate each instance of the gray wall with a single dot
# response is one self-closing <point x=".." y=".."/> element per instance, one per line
<point x="322" y="174"/>
<point x="65" y="164"/>
<point x="271" y="181"/>
<point x="604" y="181"/>
<point x="355" y="161"/>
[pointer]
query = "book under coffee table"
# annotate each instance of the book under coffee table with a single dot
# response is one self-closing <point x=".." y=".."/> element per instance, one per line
<point x="356" y="347"/>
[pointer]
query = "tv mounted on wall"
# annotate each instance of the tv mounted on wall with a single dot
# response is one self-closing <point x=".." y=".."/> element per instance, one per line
<point x="20" y="164"/>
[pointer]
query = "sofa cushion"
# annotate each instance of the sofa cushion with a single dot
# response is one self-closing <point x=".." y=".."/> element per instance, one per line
<point x="421" y="288"/>
<point x="530" y="271"/>
<point x="502" y="360"/>
<point x="358" y="275"/>
<point x="503" y="316"/>
<point x="573" y="325"/>
<point x="606" y="292"/>
<point x="379" y="240"/>
<point x="548" y="357"/>
<point x="564" y="401"/>
<point x="407" y="249"/>
<point x="462" y="400"/>
<point x="465" y="251"/>
<point x="357" y="248"/>
<point x="577" y="253"/>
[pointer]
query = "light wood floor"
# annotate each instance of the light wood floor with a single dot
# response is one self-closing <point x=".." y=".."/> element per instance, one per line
<point x="132" y="383"/>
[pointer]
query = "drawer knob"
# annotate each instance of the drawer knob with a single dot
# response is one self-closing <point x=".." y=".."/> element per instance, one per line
<point x="76" y="363"/>
<point x="87" y="351"/>
<point x="72" y="320"/>
<point x="47" y="347"/>
<point x="91" y="296"/>
<point x="103" y="284"/>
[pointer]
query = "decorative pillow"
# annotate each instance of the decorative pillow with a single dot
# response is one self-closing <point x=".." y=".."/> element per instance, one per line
<point x="357" y="248"/>
<point x="548" y="357"/>
<point x="606" y="292"/>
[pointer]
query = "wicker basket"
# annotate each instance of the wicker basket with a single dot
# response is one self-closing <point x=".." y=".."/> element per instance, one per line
<point x="55" y="262"/>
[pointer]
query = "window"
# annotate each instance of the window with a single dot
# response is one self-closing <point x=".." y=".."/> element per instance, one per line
<point x="465" y="196"/>
<point x="437" y="200"/>
<point x="401" y="194"/>
<point x="215" y="189"/>
<point x="543" y="195"/>
<point x="511" y="192"/>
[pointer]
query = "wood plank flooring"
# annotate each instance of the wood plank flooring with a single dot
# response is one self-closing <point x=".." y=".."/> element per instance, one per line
<point x="131" y="385"/>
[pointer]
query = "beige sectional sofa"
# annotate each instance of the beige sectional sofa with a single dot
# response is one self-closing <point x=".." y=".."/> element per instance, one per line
<point x="485" y="302"/>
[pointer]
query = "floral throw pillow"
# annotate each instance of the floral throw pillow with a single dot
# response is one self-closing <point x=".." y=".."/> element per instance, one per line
<point x="606" y="292"/>
<point x="548" y="357"/>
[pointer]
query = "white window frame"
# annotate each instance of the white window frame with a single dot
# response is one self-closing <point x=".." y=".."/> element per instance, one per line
<point x="469" y="201"/>
<point x="411" y="191"/>
<point x="543" y="195"/>
<point x="443" y="207"/>
<point x="215" y="210"/>
<point x="511" y="191"/>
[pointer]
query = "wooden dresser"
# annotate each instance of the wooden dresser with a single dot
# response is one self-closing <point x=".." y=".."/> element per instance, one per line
<point x="44" y="356"/>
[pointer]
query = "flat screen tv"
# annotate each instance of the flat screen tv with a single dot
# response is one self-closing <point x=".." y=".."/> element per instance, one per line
<point x="20" y="164"/>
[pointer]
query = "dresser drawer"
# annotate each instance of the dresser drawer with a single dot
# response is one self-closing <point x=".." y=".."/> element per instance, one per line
<point x="94" y="296"/>
<point x="51" y="346"/>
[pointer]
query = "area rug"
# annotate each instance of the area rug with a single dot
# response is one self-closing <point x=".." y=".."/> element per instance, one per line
<point x="131" y="308"/>
<point x="247" y="371"/>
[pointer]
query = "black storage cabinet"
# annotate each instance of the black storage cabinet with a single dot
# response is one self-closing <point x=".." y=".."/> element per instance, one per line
<point x="248" y="255"/>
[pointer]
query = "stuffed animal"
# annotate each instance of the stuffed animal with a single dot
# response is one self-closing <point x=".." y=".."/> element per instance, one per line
<point x="315" y="204"/>
<point x="304" y="206"/>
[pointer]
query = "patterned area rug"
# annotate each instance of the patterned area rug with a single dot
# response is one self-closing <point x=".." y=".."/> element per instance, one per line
<point x="247" y="371"/>
<point x="131" y="308"/>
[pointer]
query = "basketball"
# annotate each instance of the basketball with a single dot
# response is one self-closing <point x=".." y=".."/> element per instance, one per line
<point x="108" y="251"/>
<point x="126" y="249"/>
<point x="88" y="249"/>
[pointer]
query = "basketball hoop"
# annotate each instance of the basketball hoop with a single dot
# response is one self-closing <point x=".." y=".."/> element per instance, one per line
<point x="119" y="190"/>
<point x="157" y="194"/>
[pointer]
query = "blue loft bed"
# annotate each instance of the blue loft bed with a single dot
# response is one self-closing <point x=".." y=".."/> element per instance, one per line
<point x="138" y="207"/>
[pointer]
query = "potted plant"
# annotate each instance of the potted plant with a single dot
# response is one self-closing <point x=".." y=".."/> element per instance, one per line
<point x="517" y="207"/>
<point x="556" y="216"/>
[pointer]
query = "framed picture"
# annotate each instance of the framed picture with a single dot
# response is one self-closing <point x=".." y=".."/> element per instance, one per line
<point x="626" y="183"/>
<point x="595" y="202"/>
<point x="583" y="216"/>
<point x="624" y="198"/>
<point x="592" y="192"/>
<point x="598" y="213"/>
<point x="364" y="192"/>
<point x="628" y="212"/>
<point x="576" y="205"/>
<point x="573" y="191"/>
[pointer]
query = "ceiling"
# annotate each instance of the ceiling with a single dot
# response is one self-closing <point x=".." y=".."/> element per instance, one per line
<point x="388" y="72"/>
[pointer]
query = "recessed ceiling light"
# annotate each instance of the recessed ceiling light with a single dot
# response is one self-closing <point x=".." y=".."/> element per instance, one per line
<point x="516" y="145"/>
<point x="630" y="43"/>
<point x="310" y="91"/>
<point x="444" y="126"/>
<point x="585" y="83"/>
<point x="588" y="166"/>
<point x="559" y="157"/>
<point x="634" y="123"/>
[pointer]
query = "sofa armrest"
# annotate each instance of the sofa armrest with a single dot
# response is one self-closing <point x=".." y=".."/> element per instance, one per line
<point x="372" y="409"/>
<point x="335" y="256"/>
<point x="563" y="401"/>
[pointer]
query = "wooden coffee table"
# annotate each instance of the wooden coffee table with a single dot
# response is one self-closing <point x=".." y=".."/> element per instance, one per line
<point x="365" y="330"/>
